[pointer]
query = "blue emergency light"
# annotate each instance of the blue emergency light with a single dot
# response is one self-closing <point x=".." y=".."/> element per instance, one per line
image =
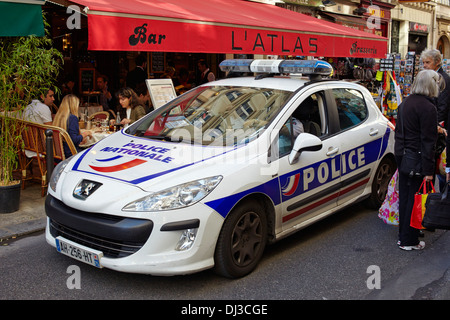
<point x="305" y="67"/>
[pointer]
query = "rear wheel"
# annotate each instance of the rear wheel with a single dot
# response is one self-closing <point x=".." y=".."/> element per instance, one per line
<point x="380" y="183"/>
<point x="242" y="240"/>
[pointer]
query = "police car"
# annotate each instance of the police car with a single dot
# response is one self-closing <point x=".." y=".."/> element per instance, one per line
<point x="210" y="178"/>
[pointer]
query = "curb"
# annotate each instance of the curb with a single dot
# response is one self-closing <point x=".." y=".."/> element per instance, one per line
<point x="22" y="229"/>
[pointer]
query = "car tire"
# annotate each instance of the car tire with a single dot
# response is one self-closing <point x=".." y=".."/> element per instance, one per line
<point x="380" y="183"/>
<point x="242" y="240"/>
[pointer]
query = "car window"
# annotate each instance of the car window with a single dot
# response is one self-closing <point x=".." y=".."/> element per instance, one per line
<point x="351" y="107"/>
<point x="214" y="115"/>
<point x="308" y="117"/>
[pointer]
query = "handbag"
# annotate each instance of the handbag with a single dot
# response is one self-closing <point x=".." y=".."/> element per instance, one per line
<point x="420" y="199"/>
<point x="411" y="163"/>
<point x="412" y="160"/>
<point x="437" y="213"/>
<point x="388" y="211"/>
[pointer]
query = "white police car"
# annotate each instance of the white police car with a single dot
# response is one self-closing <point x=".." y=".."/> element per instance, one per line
<point x="210" y="178"/>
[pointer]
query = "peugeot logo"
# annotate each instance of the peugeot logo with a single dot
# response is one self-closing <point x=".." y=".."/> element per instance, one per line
<point x="85" y="188"/>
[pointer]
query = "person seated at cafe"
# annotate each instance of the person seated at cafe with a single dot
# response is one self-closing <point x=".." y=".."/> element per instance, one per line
<point x="144" y="97"/>
<point x="67" y="119"/>
<point x="106" y="99"/>
<point x="185" y="81"/>
<point x="38" y="111"/>
<point x="169" y="73"/>
<point x="66" y="86"/>
<point x="132" y="109"/>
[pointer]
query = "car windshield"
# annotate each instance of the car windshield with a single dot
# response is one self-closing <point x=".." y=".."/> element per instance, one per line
<point x="213" y="116"/>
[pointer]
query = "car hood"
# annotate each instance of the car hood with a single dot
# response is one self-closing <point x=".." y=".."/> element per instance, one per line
<point x="143" y="162"/>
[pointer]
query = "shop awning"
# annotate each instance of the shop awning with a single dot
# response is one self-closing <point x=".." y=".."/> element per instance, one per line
<point x="353" y="22"/>
<point x="21" y="18"/>
<point x="220" y="26"/>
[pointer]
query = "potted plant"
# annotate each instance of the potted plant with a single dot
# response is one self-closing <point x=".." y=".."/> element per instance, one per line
<point x="28" y="68"/>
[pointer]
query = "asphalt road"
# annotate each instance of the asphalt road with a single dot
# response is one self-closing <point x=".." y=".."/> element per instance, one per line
<point x="336" y="259"/>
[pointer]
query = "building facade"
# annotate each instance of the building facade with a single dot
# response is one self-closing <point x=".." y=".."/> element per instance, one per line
<point x="409" y="25"/>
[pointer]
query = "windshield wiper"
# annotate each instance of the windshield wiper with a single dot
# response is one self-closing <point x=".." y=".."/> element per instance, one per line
<point x="157" y="137"/>
<point x="166" y="138"/>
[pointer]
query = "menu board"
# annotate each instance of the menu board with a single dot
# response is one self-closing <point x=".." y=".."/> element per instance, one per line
<point x="87" y="79"/>
<point x="161" y="91"/>
<point x="157" y="62"/>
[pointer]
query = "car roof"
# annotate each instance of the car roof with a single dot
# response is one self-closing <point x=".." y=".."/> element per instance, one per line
<point x="280" y="83"/>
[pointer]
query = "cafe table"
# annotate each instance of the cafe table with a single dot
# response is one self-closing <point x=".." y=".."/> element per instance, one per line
<point x="97" y="135"/>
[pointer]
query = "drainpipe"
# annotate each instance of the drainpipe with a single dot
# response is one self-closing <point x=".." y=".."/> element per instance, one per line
<point x="434" y="27"/>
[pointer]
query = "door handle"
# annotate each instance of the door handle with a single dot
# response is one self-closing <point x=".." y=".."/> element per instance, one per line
<point x="332" y="151"/>
<point x="373" y="132"/>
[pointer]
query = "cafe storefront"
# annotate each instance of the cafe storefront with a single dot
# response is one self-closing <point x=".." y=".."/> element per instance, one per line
<point x="178" y="33"/>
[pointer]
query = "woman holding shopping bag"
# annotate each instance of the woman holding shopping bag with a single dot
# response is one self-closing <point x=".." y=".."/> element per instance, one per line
<point x="415" y="138"/>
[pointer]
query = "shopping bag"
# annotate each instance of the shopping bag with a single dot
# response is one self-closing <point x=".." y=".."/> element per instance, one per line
<point x="388" y="211"/>
<point x="442" y="162"/>
<point x="420" y="199"/>
<point x="437" y="213"/>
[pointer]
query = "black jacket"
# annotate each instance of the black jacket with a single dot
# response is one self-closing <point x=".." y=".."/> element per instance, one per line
<point x="447" y="125"/>
<point x="136" y="77"/>
<point x="416" y="129"/>
<point x="443" y="101"/>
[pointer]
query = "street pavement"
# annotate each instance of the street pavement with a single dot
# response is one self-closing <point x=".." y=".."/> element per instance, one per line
<point x="427" y="278"/>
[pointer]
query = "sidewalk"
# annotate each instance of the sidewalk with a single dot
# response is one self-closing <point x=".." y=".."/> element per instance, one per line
<point x="29" y="218"/>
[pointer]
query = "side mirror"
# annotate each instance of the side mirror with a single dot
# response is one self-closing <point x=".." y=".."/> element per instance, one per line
<point x="304" y="142"/>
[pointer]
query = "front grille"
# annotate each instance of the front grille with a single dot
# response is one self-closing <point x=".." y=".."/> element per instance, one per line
<point x="110" y="248"/>
<point x="115" y="236"/>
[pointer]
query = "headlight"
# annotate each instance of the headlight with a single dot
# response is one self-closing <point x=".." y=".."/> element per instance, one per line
<point x="56" y="174"/>
<point x="176" y="197"/>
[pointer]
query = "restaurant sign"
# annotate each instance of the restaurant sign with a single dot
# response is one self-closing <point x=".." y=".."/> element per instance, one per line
<point x="418" y="27"/>
<point x="173" y="36"/>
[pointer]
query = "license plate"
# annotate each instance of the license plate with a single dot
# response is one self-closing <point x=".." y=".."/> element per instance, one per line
<point x="79" y="252"/>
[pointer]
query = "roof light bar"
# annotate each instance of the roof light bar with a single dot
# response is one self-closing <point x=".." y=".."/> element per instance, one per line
<point x="235" y="65"/>
<point x="305" y="67"/>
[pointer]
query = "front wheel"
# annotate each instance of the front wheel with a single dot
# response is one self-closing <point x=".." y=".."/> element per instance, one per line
<point x="242" y="240"/>
<point x="380" y="183"/>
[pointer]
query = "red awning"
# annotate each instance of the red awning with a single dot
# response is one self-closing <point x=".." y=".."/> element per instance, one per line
<point x="221" y="26"/>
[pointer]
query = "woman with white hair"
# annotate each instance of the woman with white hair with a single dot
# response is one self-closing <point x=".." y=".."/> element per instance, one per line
<point x="415" y="132"/>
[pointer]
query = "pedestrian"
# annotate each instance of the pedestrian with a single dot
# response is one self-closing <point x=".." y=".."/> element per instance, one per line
<point x="432" y="60"/>
<point x="415" y="131"/>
